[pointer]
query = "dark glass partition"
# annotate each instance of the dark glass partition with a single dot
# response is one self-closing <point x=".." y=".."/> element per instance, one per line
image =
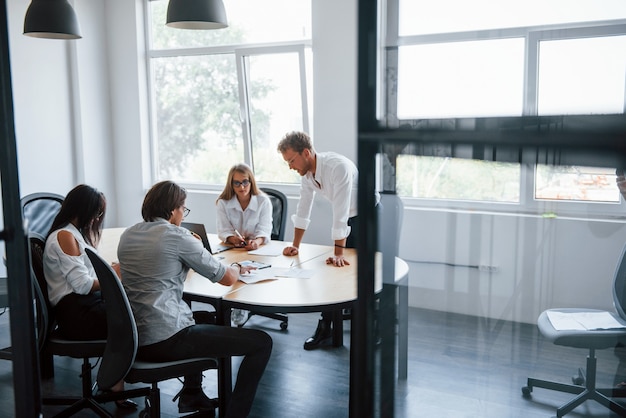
<point x="479" y="272"/>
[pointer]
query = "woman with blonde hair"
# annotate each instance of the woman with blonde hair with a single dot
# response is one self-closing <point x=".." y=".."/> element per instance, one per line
<point x="244" y="212"/>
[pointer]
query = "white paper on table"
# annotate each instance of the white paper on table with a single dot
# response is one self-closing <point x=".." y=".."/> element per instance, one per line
<point x="583" y="321"/>
<point x="275" y="273"/>
<point x="272" y="249"/>
<point x="254" y="276"/>
<point x="292" y="272"/>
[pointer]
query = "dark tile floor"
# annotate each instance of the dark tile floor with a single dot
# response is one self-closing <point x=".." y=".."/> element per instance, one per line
<point x="459" y="366"/>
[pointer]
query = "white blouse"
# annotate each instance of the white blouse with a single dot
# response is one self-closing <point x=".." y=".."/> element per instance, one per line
<point x="65" y="273"/>
<point x="254" y="222"/>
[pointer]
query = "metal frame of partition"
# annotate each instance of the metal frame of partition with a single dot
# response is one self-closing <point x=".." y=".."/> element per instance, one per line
<point x="23" y="339"/>
<point x="560" y="139"/>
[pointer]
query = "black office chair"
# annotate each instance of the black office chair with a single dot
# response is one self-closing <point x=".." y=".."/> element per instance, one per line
<point x="39" y="210"/>
<point x="279" y="220"/>
<point x="118" y="361"/>
<point x="52" y="343"/>
<point x="41" y="313"/>
<point x="279" y="212"/>
<point x="591" y="340"/>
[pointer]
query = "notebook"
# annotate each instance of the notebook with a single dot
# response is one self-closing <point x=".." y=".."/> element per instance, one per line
<point x="201" y="231"/>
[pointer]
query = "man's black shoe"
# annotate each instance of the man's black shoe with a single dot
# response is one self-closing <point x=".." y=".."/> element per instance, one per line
<point x="191" y="400"/>
<point x="323" y="336"/>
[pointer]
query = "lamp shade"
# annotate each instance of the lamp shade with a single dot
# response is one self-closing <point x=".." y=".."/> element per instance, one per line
<point x="196" y="14"/>
<point x="54" y="19"/>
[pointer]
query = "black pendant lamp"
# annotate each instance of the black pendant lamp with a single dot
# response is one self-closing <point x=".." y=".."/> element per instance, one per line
<point x="196" y="14"/>
<point x="53" y="19"/>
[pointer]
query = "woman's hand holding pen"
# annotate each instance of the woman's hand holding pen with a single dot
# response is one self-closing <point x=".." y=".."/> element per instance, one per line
<point x="239" y="240"/>
<point x="253" y="244"/>
<point x="238" y="243"/>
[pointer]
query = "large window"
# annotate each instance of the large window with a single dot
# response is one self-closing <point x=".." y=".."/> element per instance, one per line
<point x="227" y="96"/>
<point x="529" y="58"/>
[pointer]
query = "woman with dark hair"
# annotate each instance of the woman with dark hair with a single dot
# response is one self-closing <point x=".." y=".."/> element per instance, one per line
<point x="155" y="257"/>
<point x="244" y="213"/>
<point x="73" y="288"/>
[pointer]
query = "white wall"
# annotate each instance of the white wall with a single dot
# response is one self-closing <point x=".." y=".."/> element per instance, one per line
<point x="81" y="116"/>
<point x="335" y="76"/>
<point x="540" y="262"/>
<point x="40" y="71"/>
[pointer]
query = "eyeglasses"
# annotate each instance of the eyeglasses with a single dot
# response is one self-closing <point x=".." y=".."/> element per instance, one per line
<point x="186" y="212"/>
<point x="100" y="215"/>
<point x="244" y="183"/>
<point x="292" y="160"/>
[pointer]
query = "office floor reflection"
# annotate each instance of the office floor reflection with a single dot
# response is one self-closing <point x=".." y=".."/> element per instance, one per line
<point x="459" y="366"/>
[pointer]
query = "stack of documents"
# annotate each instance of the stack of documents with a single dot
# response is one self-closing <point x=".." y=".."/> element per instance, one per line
<point x="581" y="321"/>
<point x="271" y="249"/>
<point x="275" y="273"/>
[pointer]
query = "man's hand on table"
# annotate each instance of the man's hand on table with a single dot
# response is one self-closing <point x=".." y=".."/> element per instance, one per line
<point x="337" y="261"/>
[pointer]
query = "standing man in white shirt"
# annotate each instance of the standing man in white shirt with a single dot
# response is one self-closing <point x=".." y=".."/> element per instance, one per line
<point x="336" y="178"/>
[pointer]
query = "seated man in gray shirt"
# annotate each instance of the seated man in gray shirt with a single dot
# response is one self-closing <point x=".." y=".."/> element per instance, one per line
<point x="155" y="257"/>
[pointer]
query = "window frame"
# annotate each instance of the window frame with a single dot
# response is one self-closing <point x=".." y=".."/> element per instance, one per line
<point x="242" y="56"/>
<point x="533" y="35"/>
<point x="241" y="52"/>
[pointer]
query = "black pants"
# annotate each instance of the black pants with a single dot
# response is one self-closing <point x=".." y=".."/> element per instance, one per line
<point x="351" y="241"/>
<point x="81" y="317"/>
<point x="207" y="340"/>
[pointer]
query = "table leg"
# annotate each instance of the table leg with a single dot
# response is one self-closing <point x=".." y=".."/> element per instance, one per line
<point x="225" y="366"/>
<point x="337" y="327"/>
<point x="386" y="319"/>
<point x="403" y="328"/>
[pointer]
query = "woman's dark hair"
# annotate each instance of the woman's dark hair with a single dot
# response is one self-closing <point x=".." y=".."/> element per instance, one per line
<point x="161" y="200"/>
<point x="86" y="206"/>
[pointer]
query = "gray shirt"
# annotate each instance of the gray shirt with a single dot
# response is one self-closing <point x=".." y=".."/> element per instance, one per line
<point x="155" y="258"/>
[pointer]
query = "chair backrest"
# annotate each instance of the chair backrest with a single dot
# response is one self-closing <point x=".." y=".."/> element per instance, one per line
<point x="40" y="209"/>
<point x="279" y="212"/>
<point x="45" y="322"/>
<point x="121" y="346"/>
<point x="619" y="285"/>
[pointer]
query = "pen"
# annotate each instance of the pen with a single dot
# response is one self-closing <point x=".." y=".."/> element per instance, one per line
<point x="240" y="237"/>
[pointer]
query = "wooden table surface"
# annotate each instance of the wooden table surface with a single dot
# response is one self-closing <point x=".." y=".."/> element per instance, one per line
<point x="329" y="287"/>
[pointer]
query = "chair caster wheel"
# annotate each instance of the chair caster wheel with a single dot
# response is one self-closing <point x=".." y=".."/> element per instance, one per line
<point x="526" y="390"/>
<point x="579" y="379"/>
<point x="283" y="326"/>
<point x="145" y="412"/>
